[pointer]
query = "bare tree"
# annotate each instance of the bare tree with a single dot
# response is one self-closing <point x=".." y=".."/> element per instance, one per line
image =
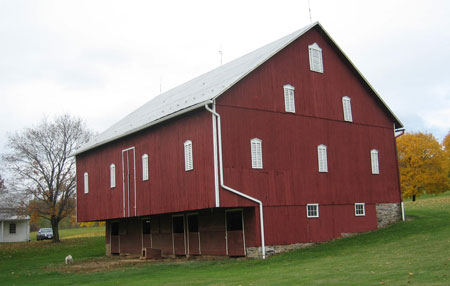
<point x="40" y="158"/>
<point x="2" y="185"/>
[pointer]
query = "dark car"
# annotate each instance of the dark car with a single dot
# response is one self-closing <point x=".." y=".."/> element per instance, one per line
<point x="44" y="233"/>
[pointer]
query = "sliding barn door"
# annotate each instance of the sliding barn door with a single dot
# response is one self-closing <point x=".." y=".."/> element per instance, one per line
<point x="129" y="181"/>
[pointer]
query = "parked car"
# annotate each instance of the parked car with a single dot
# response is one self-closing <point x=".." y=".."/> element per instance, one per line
<point x="44" y="233"/>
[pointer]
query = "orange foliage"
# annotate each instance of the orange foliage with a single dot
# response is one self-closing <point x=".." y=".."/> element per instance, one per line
<point x="423" y="165"/>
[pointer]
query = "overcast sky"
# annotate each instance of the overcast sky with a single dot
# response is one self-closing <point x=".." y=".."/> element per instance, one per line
<point x="100" y="60"/>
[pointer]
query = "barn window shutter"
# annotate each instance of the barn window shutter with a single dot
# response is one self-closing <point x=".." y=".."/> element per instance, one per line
<point x="145" y="167"/>
<point x="374" y="162"/>
<point x="322" y="158"/>
<point x="188" y="157"/>
<point x="346" y="105"/>
<point x="112" y="175"/>
<point x="289" y="98"/>
<point x="256" y="150"/>
<point x="86" y="183"/>
<point x="315" y="58"/>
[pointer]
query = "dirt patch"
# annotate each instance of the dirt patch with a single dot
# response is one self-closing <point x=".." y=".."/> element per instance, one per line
<point x="106" y="264"/>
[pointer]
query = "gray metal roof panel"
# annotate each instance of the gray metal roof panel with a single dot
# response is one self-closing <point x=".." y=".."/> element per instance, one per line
<point x="197" y="91"/>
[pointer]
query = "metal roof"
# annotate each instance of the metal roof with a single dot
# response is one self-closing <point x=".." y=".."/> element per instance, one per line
<point x="198" y="91"/>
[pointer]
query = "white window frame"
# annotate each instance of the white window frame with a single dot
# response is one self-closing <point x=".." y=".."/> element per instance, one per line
<point x="289" y="98"/>
<point x="308" y="215"/>
<point x="358" y="210"/>
<point x="112" y="175"/>
<point x="374" y="162"/>
<point x="188" y="156"/>
<point x="86" y="183"/>
<point x="256" y="153"/>
<point x="145" y="170"/>
<point x="315" y="51"/>
<point x="347" y="108"/>
<point x="322" y="158"/>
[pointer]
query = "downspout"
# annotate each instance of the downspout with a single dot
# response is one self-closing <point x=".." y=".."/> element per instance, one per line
<point x="402" y="131"/>
<point x="219" y="127"/>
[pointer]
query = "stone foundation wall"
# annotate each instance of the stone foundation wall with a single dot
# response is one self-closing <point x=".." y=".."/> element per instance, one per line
<point x="388" y="213"/>
<point x="255" y="252"/>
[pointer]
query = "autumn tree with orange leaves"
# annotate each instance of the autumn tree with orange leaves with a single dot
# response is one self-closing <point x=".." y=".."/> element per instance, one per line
<point x="40" y="158"/>
<point x="423" y="165"/>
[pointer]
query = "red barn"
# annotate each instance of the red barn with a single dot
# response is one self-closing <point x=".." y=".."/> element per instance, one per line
<point x="286" y="145"/>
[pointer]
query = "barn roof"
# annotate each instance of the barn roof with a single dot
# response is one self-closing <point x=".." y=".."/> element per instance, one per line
<point x="201" y="90"/>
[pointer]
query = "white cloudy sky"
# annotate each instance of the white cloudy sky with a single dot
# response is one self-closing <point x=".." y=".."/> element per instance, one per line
<point x="100" y="60"/>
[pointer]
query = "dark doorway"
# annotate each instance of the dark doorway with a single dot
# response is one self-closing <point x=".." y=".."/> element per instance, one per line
<point x="115" y="238"/>
<point x="193" y="235"/>
<point x="235" y="233"/>
<point x="179" y="243"/>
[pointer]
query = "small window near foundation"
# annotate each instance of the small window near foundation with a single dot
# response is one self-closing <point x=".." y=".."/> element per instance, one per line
<point x="234" y="220"/>
<point x="312" y="210"/>
<point x="115" y="228"/>
<point x="146" y="227"/>
<point x="178" y="224"/>
<point x="193" y="223"/>
<point x="12" y="228"/>
<point x="360" y="209"/>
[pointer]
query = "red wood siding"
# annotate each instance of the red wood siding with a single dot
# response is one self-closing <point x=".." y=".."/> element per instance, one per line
<point x="317" y="95"/>
<point x="254" y="108"/>
<point x="169" y="188"/>
<point x="288" y="225"/>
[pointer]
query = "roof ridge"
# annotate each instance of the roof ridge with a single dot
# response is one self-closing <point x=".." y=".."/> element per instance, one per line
<point x="194" y="92"/>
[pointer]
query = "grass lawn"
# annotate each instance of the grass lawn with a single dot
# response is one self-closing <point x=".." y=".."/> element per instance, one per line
<point x="76" y="232"/>
<point x="416" y="252"/>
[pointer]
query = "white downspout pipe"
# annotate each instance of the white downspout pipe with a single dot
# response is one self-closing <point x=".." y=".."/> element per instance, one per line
<point x="261" y="218"/>
<point x="403" y="211"/>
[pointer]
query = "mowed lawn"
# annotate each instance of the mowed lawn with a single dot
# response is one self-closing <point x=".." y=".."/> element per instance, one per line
<point x="416" y="252"/>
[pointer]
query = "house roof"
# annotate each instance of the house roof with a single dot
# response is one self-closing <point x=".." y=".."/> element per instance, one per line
<point x="201" y="90"/>
<point x="9" y="214"/>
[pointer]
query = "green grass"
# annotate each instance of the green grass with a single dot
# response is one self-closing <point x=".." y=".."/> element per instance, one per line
<point x="76" y="232"/>
<point x="416" y="252"/>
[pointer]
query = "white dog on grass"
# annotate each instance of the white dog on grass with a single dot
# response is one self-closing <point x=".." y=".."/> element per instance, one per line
<point x="69" y="259"/>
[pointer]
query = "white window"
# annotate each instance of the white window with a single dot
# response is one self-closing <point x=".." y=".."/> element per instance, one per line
<point x="112" y="175"/>
<point x="256" y="150"/>
<point x="188" y="160"/>
<point x="86" y="183"/>
<point x="374" y="162"/>
<point x="312" y="210"/>
<point x="144" y="167"/>
<point x="289" y="98"/>
<point x="346" y="105"/>
<point x="360" y="209"/>
<point x="315" y="58"/>
<point x="322" y="158"/>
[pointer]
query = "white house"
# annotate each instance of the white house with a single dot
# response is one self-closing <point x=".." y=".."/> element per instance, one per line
<point x="13" y="228"/>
